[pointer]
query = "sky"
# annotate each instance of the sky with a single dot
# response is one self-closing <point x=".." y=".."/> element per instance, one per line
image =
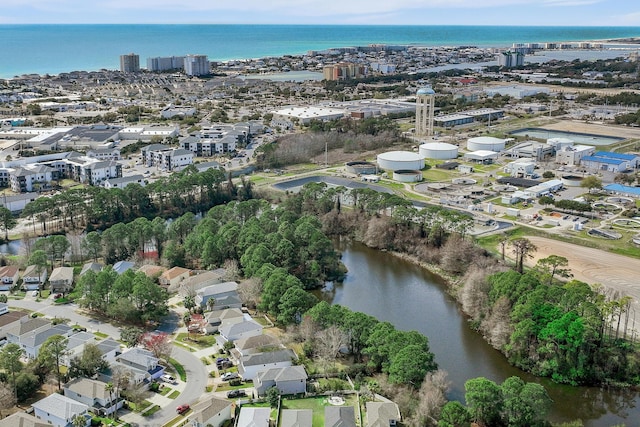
<point x="349" y="12"/>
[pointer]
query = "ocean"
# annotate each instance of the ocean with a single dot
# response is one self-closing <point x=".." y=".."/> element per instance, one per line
<point x="52" y="49"/>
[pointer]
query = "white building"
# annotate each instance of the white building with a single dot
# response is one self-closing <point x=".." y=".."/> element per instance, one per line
<point x="30" y="178"/>
<point x="196" y="65"/>
<point x="522" y="168"/>
<point x="171" y="111"/>
<point x="572" y="155"/>
<point x="304" y="115"/>
<point x="124" y="181"/>
<point x="60" y="411"/>
<point x="165" y="157"/>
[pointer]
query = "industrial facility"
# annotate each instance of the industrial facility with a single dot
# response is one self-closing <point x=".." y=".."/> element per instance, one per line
<point x="399" y="160"/>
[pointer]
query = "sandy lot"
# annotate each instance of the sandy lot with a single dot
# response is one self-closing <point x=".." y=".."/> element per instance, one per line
<point x="593" y="266"/>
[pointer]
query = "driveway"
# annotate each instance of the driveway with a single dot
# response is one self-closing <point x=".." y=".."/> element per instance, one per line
<point x="197" y="378"/>
<point x="66" y="311"/>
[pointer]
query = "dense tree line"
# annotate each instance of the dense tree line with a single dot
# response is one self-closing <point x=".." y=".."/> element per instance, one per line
<point x="569" y="332"/>
<point x="98" y="207"/>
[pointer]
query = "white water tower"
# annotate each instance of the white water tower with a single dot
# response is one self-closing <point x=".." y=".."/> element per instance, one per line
<point x="424" y="111"/>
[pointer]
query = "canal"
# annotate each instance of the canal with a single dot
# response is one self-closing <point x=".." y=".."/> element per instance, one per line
<point x="411" y="298"/>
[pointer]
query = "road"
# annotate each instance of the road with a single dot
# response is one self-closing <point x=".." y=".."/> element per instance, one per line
<point x="197" y="375"/>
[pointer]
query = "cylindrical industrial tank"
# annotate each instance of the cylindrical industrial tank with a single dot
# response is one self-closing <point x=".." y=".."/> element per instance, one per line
<point x="397" y="160"/>
<point x="439" y="151"/>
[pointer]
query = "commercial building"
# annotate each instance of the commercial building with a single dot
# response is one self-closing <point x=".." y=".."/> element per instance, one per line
<point x="130" y="63"/>
<point x="517" y="92"/>
<point x="196" y="65"/>
<point x="611" y="162"/>
<point x="573" y="155"/>
<point x="522" y="168"/>
<point x="305" y="115"/>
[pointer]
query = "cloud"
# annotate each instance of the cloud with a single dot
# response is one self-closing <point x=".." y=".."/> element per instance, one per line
<point x="630" y="19"/>
<point x="556" y="3"/>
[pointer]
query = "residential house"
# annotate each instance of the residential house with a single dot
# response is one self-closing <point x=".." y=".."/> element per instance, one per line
<point x="253" y="417"/>
<point x="142" y="360"/>
<point x="202" y="280"/>
<point x="174" y="276"/>
<point x="96" y="267"/>
<point x="382" y="414"/>
<point x="4" y="308"/>
<point x="250" y="365"/>
<point x="217" y="317"/>
<point x="219" y="292"/>
<point x="75" y="346"/>
<point x="339" y="416"/>
<point x="22" y="419"/>
<point x="23" y="326"/>
<point x="122" y="266"/>
<point x="34" y="278"/>
<point x="255" y="344"/>
<point x="211" y="412"/>
<point x="94" y="394"/>
<point x="7" y="320"/>
<point x="60" y="411"/>
<point x="152" y="271"/>
<point x="8" y="277"/>
<point x="288" y="380"/>
<point x="33" y="340"/>
<point x="296" y="418"/>
<point x="231" y="331"/>
<point x="61" y="279"/>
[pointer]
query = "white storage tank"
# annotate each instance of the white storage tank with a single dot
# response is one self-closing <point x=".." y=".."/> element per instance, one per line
<point x="485" y="143"/>
<point x="399" y="160"/>
<point x="439" y="151"/>
<point x="407" y="175"/>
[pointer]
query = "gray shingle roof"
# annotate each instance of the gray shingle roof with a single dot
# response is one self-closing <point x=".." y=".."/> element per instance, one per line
<point x="339" y="416"/>
<point x="267" y="357"/>
<point x="60" y="406"/>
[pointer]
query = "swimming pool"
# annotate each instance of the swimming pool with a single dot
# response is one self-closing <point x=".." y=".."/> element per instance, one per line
<point x="578" y="138"/>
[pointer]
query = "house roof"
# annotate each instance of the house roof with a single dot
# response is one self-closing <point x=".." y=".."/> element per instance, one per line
<point x="296" y="417"/>
<point x="379" y="413"/>
<point x="60" y="406"/>
<point x="80" y="339"/>
<point x="232" y="328"/>
<point x="61" y="273"/>
<point x="107" y="345"/>
<point x="95" y="266"/>
<point x="217" y="289"/>
<point x="267" y="357"/>
<point x="611" y="155"/>
<point x="8" y="271"/>
<point x="122" y="266"/>
<point x="174" y="272"/>
<point x="152" y="270"/>
<point x="288" y="373"/>
<point x="604" y="160"/>
<point x="138" y="356"/>
<point x="204" y="411"/>
<point x="12" y="316"/>
<point x="26" y="325"/>
<point x="22" y="419"/>
<point x="256" y="342"/>
<point x="253" y="417"/>
<point x="203" y="279"/>
<point x="31" y="271"/>
<point x="339" y="416"/>
<point x="39" y="336"/>
<point x="88" y="387"/>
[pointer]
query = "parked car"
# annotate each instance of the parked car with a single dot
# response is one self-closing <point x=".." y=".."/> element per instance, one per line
<point x="34" y="293"/>
<point x="236" y="393"/>
<point x="229" y="376"/>
<point x="182" y="409"/>
<point x="57" y="296"/>
<point x="168" y="379"/>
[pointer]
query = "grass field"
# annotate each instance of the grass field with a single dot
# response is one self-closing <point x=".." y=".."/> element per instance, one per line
<point x="179" y="369"/>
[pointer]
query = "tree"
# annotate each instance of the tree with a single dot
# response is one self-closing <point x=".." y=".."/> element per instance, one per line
<point x="293" y="304"/>
<point x="189" y="302"/>
<point x="10" y="355"/>
<point x="249" y="291"/>
<point x="92" y="245"/>
<point x="454" y="415"/>
<point x="40" y="260"/>
<point x="273" y="397"/>
<point x="53" y="350"/>
<point x="552" y="265"/>
<point x="7" y="398"/>
<point x="131" y="335"/>
<point x="159" y="343"/>
<point x="7" y="221"/>
<point x="524" y="403"/>
<point x="26" y="385"/>
<point x="484" y="399"/>
<point x="79" y="421"/>
<point x="121" y="378"/>
<point x="328" y="342"/>
<point x="431" y="398"/>
<point x="590" y="182"/>
<point x="410" y="365"/>
<point x="522" y="248"/>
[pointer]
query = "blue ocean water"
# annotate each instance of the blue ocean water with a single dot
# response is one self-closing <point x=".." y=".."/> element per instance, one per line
<point x="54" y="49"/>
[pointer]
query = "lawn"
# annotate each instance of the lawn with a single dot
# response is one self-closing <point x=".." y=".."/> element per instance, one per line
<point x="200" y="341"/>
<point x="173" y="395"/>
<point x="101" y="335"/>
<point x="179" y="369"/>
<point x="165" y="390"/>
<point x="316" y="404"/>
<point x="151" y="411"/>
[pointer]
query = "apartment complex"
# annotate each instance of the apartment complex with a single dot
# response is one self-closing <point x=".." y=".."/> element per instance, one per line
<point x="196" y="65"/>
<point x="166" y="63"/>
<point x="130" y="63"/>
<point x="344" y="71"/>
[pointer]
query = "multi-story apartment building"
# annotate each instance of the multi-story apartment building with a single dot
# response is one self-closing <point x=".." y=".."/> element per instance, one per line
<point x="167" y="63"/>
<point x="344" y="71"/>
<point x="166" y="158"/>
<point x="130" y="63"/>
<point x="196" y="65"/>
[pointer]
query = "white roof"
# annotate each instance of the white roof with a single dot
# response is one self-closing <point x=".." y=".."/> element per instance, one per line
<point x="439" y="146"/>
<point x="486" y="140"/>
<point x="486" y="154"/>
<point x="403" y="156"/>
